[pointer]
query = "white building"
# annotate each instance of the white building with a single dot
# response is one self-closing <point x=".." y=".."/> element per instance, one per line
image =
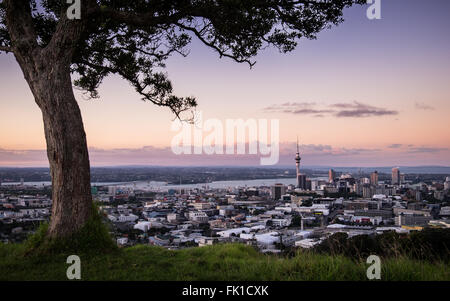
<point x="307" y="243"/>
<point x="202" y="206"/>
<point x="198" y="216"/>
<point x="206" y="241"/>
<point x="445" y="211"/>
<point x="447" y="184"/>
<point x="376" y="220"/>
<point x="145" y="226"/>
<point x="281" y="222"/>
<point x="112" y="190"/>
<point x="235" y="231"/>
<point x="122" y="241"/>
<point x="263" y="239"/>
<point x="173" y="217"/>
<point x="122" y="218"/>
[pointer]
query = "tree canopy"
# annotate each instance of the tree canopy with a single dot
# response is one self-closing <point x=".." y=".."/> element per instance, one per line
<point x="133" y="39"/>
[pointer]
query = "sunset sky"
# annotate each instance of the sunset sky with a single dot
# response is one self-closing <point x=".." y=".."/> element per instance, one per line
<point x="365" y="93"/>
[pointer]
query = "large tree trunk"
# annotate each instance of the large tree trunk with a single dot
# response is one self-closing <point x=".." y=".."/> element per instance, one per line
<point x="47" y="72"/>
<point x="66" y="150"/>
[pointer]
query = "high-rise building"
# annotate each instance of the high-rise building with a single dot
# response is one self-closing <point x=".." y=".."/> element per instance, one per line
<point x="302" y="181"/>
<point x="374" y="178"/>
<point x="367" y="191"/>
<point x="331" y="176"/>
<point x="365" y="181"/>
<point x="277" y="191"/>
<point x="447" y="184"/>
<point x="396" y="176"/>
<point x="112" y="190"/>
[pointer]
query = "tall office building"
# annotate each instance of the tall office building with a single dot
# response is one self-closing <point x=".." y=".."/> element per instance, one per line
<point x="277" y="191"/>
<point x="302" y="182"/>
<point x="374" y="178"/>
<point x="396" y="176"/>
<point x="331" y="176"/>
<point x="447" y="184"/>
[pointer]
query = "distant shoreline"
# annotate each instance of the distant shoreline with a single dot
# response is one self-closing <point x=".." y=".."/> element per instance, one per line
<point x="158" y="184"/>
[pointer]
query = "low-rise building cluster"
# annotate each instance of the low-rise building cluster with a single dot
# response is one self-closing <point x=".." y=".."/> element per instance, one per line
<point x="20" y="215"/>
<point x="271" y="218"/>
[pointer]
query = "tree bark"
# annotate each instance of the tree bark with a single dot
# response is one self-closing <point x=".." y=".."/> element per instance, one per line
<point x="66" y="150"/>
<point x="47" y="72"/>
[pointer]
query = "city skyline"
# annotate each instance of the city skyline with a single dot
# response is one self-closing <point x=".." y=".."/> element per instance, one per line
<point x="378" y="98"/>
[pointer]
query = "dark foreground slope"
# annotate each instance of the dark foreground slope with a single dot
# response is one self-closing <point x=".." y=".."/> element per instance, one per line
<point x="220" y="262"/>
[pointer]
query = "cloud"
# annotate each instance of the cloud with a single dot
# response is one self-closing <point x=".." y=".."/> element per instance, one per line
<point x="318" y="150"/>
<point x="412" y="149"/>
<point x="427" y="150"/>
<point x="163" y="156"/>
<point x="312" y="154"/>
<point x="395" y="146"/>
<point x="340" y="110"/>
<point x="424" y="107"/>
<point x="300" y="108"/>
<point x="359" y="110"/>
<point x="23" y="157"/>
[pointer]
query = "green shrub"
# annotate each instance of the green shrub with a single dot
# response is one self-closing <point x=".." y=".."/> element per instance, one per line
<point x="91" y="238"/>
<point x="430" y="244"/>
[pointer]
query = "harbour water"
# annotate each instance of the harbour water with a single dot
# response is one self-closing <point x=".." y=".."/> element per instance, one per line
<point x="161" y="186"/>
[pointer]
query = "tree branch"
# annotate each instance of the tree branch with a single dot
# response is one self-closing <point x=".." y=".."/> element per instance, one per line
<point x="20" y="25"/>
<point x="69" y="32"/>
<point x="147" y="19"/>
<point x="6" y="49"/>
<point x="213" y="46"/>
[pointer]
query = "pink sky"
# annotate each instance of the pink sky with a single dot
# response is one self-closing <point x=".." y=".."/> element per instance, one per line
<point x="367" y="93"/>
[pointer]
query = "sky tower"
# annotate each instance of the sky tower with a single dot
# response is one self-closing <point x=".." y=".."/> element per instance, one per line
<point x="297" y="164"/>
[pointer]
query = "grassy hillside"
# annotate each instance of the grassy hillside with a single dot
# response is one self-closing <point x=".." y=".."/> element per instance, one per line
<point x="220" y="262"/>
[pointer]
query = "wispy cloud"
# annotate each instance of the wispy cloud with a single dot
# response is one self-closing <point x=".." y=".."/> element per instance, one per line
<point x="395" y="146"/>
<point x="312" y="154"/>
<point x="359" y="110"/>
<point x="320" y="149"/>
<point x="413" y="149"/>
<point x="427" y="149"/>
<point x="340" y="110"/>
<point x="301" y="108"/>
<point x="149" y="155"/>
<point x="424" y="106"/>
